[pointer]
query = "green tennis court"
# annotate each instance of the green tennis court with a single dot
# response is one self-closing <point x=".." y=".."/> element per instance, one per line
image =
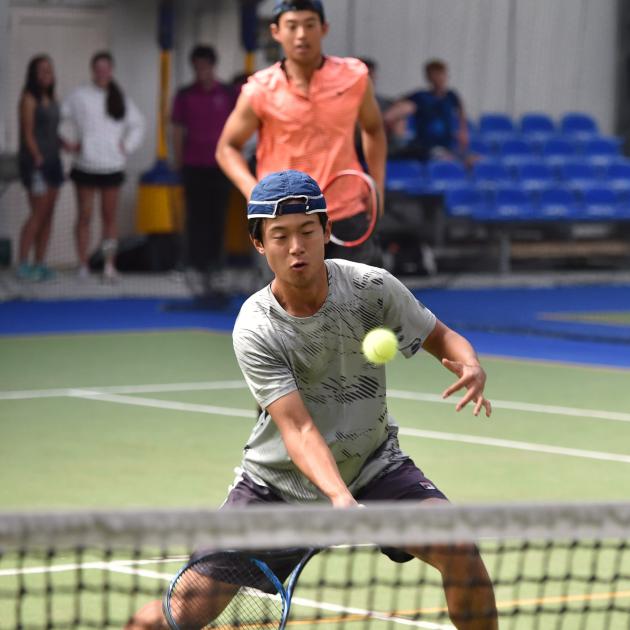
<point x="160" y="419"/>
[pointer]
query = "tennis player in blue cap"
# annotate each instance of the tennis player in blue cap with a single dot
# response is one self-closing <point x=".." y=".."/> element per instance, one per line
<point x="325" y="433"/>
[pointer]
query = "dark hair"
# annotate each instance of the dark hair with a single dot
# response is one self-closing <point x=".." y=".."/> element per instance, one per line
<point x="282" y="6"/>
<point x="31" y="84"/>
<point x="202" y="51"/>
<point x="370" y="63"/>
<point x="115" y="104"/>
<point x="434" y="65"/>
<point x="255" y="226"/>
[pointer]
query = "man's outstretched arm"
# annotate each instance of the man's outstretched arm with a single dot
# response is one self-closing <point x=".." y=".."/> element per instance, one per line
<point x="239" y="128"/>
<point x="457" y="355"/>
<point x="308" y="449"/>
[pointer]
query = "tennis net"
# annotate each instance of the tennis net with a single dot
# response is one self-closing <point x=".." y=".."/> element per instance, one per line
<point x="552" y="566"/>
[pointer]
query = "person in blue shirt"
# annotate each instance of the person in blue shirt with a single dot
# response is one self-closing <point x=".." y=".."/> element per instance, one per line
<point x="436" y="117"/>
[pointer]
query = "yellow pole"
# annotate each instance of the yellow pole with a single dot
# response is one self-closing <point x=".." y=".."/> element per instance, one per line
<point x="165" y="67"/>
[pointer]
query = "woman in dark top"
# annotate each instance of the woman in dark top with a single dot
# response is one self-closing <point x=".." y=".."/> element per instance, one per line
<point x="40" y="164"/>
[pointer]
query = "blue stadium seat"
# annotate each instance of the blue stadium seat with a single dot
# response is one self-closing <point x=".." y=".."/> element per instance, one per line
<point x="489" y="174"/>
<point x="535" y="177"/>
<point x="406" y="176"/>
<point x="510" y="203"/>
<point x="496" y="128"/>
<point x="558" y="203"/>
<point x="558" y="151"/>
<point x="601" y="151"/>
<point x="578" y="175"/>
<point x="514" y="153"/>
<point x="600" y="202"/>
<point x="617" y="177"/>
<point x="480" y="147"/>
<point x="537" y="127"/>
<point x="445" y="175"/>
<point x="578" y="125"/>
<point x="463" y="202"/>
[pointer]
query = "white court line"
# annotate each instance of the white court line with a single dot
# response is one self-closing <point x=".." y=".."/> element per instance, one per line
<point x="165" y="404"/>
<point x="431" y="435"/>
<point x="518" y="406"/>
<point x="123" y="566"/>
<point x="22" y="394"/>
<point x="238" y="384"/>
<point x="519" y="446"/>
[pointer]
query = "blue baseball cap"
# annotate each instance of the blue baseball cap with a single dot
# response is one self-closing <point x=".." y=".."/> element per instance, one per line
<point x="282" y="6"/>
<point x="300" y="189"/>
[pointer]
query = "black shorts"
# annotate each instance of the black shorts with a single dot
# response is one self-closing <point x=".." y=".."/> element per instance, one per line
<point x="96" y="180"/>
<point x="51" y="169"/>
<point x="404" y="483"/>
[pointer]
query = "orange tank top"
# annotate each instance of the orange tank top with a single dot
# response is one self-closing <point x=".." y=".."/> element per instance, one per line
<point x="314" y="132"/>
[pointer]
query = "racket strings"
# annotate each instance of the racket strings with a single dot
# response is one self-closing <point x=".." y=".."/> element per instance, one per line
<point x="352" y="208"/>
<point x="224" y="595"/>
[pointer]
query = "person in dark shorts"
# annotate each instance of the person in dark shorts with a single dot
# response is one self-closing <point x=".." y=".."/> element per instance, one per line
<point x="41" y="172"/>
<point x="325" y="433"/>
<point x="103" y="126"/>
<point x="199" y="113"/>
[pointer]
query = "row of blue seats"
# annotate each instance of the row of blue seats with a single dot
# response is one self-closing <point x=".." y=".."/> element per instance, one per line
<point x="552" y="145"/>
<point x="436" y="177"/>
<point x="513" y="203"/>
<point x="574" y="124"/>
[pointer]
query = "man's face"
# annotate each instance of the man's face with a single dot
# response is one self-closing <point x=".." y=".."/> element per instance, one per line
<point x="204" y="70"/>
<point x="438" y="79"/>
<point x="300" y="34"/>
<point x="293" y="245"/>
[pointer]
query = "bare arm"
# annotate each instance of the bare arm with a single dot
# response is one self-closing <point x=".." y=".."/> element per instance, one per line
<point x="373" y="138"/>
<point x="463" y="137"/>
<point x="307" y="448"/>
<point x="457" y="355"/>
<point x="27" y="124"/>
<point x="239" y="127"/>
<point x="399" y="111"/>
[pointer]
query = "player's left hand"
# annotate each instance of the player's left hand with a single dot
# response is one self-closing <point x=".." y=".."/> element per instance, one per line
<point x="473" y="378"/>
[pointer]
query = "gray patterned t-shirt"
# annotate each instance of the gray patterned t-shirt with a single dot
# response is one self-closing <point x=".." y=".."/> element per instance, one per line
<point x="320" y="356"/>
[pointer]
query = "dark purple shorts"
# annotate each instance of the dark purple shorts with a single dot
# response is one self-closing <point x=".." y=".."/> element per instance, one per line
<point x="405" y="483"/>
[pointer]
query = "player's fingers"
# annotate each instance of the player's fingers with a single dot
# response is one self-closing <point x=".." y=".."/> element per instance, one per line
<point x="456" y="386"/>
<point x="488" y="405"/>
<point x="478" y="406"/>
<point x="470" y="395"/>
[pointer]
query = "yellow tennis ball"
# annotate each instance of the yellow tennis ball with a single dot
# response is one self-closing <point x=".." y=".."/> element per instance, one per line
<point x="380" y="346"/>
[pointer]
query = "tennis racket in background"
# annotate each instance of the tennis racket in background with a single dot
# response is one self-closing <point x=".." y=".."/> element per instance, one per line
<point x="353" y="207"/>
<point x="231" y="589"/>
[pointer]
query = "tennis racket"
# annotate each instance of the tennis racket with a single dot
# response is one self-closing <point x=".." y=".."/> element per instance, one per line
<point x="353" y="207"/>
<point x="232" y="589"/>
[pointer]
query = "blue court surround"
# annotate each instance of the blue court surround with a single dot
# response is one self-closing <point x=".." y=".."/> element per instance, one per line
<point x="504" y="322"/>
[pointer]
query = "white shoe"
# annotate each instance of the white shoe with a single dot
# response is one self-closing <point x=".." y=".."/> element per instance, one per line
<point x="110" y="274"/>
<point x="83" y="273"/>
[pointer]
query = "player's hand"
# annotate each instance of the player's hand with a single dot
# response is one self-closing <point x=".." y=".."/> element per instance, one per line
<point x="345" y="500"/>
<point x="471" y="377"/>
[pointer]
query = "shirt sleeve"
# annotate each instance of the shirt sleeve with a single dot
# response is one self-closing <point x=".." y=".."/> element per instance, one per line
<point x="135" y="127"/>
<point x="253" y="93"/>
<point x="68" y="128"/>
<point x="267" y="374"/>
<point x="411" y="320"/>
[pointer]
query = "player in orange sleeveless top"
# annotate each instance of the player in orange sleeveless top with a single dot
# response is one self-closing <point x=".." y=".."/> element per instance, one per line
<point x="305" y="110"/>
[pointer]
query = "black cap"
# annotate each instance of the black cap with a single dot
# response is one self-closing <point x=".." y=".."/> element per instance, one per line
<point x="282" y="6"/>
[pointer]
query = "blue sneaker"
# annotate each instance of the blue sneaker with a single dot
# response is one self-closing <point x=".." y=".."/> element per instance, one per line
<point x="27" y="272"/>
<point x="44" y="273"/>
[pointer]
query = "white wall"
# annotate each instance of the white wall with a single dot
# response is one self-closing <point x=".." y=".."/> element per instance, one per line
<point x="561" y="57"/>
<point x="504" y="55"/>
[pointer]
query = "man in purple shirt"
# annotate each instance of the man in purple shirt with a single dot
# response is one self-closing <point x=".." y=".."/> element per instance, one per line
<point x="199" y="113"/>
